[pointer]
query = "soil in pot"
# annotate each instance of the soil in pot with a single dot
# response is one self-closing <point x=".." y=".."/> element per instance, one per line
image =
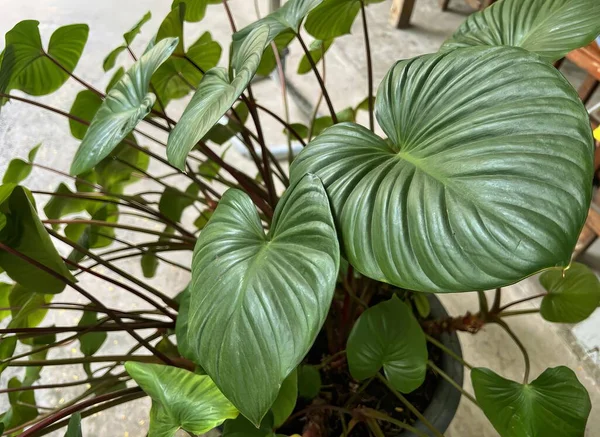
<point x="340" y="389"/>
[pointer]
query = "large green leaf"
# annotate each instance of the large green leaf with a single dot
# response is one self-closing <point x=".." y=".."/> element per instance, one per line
<point x="388" y="335"/>
<point x="74" y="428"/>
<point x="90" y="342"/>
<point x="555" y="404"/>
<point x="333" y="18"/>
<point x="572" y="296"/>
<point x="260" y="298"/>
<point x="180" y="399"/>
<point x="214" y="96"/>
<point x="25" y="233"/>
<point x="126" y="104"/>
<point x="485" y="177"/>
<point x="181" y="325"/>
<point x="286" y="400"/>
<point x="33" y="69"/>
<point x="550" y="28"/>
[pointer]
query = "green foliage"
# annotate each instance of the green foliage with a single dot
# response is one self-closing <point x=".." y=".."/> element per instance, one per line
<point x="180" y="399"/>
<point x="30" y="68"/>
<point x="18" y="169"/>
<point x="149" y="263"/>
<point x="173" y="202"/>
<point x="439" y="194"/>
<point x="74" y="428"/>
<point x="286" y="400"/>
<point x="216" y="93"/>
<point x="21" y="409"/>
<point x="90" y="342"/>
<point x="573" y="295"/>
<point x="549" y="28"/>
<point x="181" y="326"/>
<point x="317" y="50"/>
<point x="7" y="348"/>
<point x="276" y="287"/>
<point x="127" y="103"/>
<point x="195" y="9"/>
<point x="333" y="18"/>
<point x="309" y="382"/>
<point x="388" y="335"/>
<point x="242" y="427"/>
<point x="129" y="36"/>
<point x="25" y="233"/>
<point x="555" y="404"/>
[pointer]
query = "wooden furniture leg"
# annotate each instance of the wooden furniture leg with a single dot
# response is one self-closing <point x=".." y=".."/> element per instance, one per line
<point x="401" y="12"/>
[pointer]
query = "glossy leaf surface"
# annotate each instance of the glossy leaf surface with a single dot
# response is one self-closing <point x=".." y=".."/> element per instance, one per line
<point x="485" y="177"/>
<point x="180" y="399"/>
<point x="555" y="404"/>
<point x="549" y="28"/>
<point x="572" y="297"/>
<point x="259" y="298"/>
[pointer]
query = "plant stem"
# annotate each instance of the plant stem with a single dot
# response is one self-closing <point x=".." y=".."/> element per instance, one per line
<point x="452" y="382"/>
<point x="88" y="296"/>
<point x="525" y="299"/>
<point x="483" y="305"/>
<point x="63" y="329"/>
<point x="319" y="78"/>
<point x="330" y="358"/>
<point x="64" y="384"/>
<point x="369" y="64"/>
<point x="229" y="16"/>
<point x="512" y="335"/>
<point x="448" y="351"/>
<point x="179" y="362"/>
<point x="378" y="415"/>
<point x="285" y="124"/>
<point x="75" y="408"/>
<point x="518" y="313"/>
<point x="497" y="300"/>
<point x="410" y="406"/>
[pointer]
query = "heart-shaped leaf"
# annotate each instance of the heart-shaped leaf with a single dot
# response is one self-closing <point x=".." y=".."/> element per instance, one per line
<point x="74" y="428"/>
<point x="90" y="342"/>
<point x="572" y="296"/>
<point x="309" y="382"/>
<point x="180" y="399"/>
<point x="25" y="233"/>
<point x="214" y="96"/>
<point x="259" y="298"/>
<point x="464" y="194"/>
<point x="555" y="404"/>
<point x="195" y="9"/>
<point x="333" y="18"/>
<point x="550" y="28"/>
<point x="28" y="67"/>
<point x="388" y="335"/>
<point x="126" y="104"/>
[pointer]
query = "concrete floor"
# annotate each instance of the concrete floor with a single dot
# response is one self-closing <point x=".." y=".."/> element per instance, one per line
<point x="21" y="127"/>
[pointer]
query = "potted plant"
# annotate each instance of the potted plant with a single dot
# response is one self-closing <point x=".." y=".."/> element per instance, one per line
<point x="310" y="308"/>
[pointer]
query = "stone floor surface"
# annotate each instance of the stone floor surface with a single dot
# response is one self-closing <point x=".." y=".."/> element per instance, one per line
<point x="21" y="127"/>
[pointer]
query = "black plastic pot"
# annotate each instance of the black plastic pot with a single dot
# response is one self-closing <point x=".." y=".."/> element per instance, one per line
<point x="446" y="398"/>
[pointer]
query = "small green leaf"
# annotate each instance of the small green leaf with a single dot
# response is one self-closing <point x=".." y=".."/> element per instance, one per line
<point x="115" y="78"/>
<point x="167" y="347"/>
<point x="127" y="103"/>
<point x="195" y="9"/>
<point x="4" y="303"/>
<point x="33" y="373"/>
<point x="20" y="410"/>
<point x="333" y="18"/>
<point x="309" y="382"/>
<point x="33" y="152"/>
<point x="61" y="204"/>
<point x="209" y="169"/>
<point x="16" y="172"/>
<point x="203" y="219"/>
<point x="27" y="307"/>
<point x="90" y="342"/>
<point x="85" y="106"/>
<point x="7" y="348"/>
<point x="74" y="428"/>
<point x="572" y="296"/>
<point x="149" y="263"/>
<point x="216" y="93"/>
<point x="549" y="28"/>
<point x="438" y="193"/>
<point x="388" y="335"/>
<point x="421" y="304"/>
<point x="172" y="27"/>
<point x="135" y="30"/>
<point x="317" y="50"/>
<point x="111" y="58"/>
<point x="286" y="400"/>
<point x="180" y="399"/>
<point x="181" y="325"/>
<point x="173" y="202"/>
<point x="25" y="233"/>
<point x="248" y="285"/>
<point x="555" y="404"/>
<point x="29" y="67"/>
